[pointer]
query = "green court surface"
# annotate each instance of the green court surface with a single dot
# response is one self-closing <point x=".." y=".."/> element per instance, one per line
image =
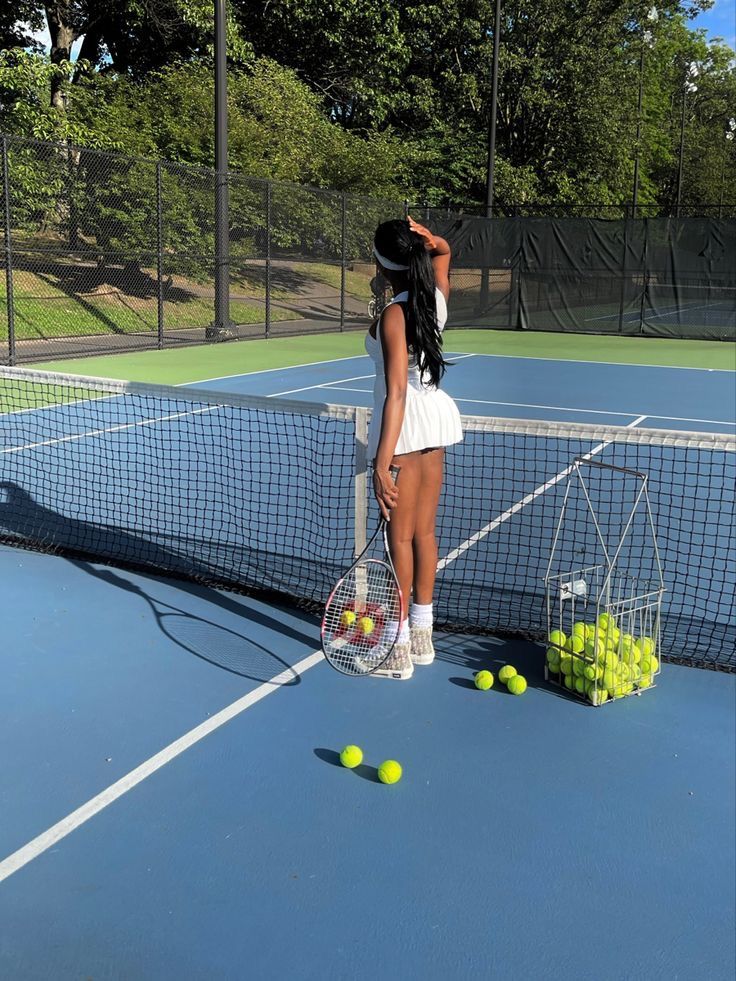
<point x="189" y="364"/>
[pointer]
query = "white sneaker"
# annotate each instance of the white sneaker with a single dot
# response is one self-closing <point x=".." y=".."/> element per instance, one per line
<point x="422" y="648"/>
<point x="398" y="665"/>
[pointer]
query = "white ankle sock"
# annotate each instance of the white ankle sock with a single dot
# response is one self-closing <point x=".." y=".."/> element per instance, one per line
<point x="420" y="615"/>
<point x="404" y="634"/>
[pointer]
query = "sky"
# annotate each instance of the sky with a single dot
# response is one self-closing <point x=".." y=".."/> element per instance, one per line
<point x="719" y="21"/>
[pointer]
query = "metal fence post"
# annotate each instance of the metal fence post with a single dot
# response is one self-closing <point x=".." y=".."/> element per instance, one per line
<point x="343" y="253"/>
<point x="159" y="254"/>
<point x="8" y="254"/>
<point x="268" y="258"/>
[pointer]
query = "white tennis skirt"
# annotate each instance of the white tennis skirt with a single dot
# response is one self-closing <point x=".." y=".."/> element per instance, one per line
<point x="431" y="420"/>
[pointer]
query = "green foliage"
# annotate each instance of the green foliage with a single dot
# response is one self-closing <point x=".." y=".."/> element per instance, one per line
<point x="390" y="99"/>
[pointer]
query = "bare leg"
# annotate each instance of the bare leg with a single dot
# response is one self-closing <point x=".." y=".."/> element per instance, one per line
<point x="403" y="519"/>
<point x="424" y="542"/>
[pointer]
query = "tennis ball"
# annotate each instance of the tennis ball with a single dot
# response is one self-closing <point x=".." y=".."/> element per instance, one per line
<point x="611" y="660"/>
<point x="579" y="684"/>
<point x="389" y="771"/>
<point x="552" y="654"/>
<point x="589" y="631"/>
<point x="568" y="681"/>
<point x="636" y="653"/>
<point x="557" y="638"/>
<point x="594" y="649"/>
<point x="603" y="620"/>
<point x="351" y="757"/>
<point x="635" y="672"/>
<point x="366" y="625"/>
<point x="627" y="642"/>
<point x="649" y="664"/>
<point x="645" y="681"/>
<point x="578" y="667"/>
<point x="624" y="672"/>
<point x="554" y="667"/>
<point x="609" y="679"/>
<point x="507" y="672"/>
<point x="517" y="684"/>
<point x="484" y="680"/>
<point x="646" y="645"/>
<point x="598" y="696"/>
<point x="348" y="618"/>
<point x="579" y="628"/>
<point x="565" y="664"/>
<point x="591" y="672"/>
<point x="576" y="644"/>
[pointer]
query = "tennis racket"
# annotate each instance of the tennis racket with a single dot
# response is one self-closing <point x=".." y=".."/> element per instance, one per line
<point x="360" y="626"/>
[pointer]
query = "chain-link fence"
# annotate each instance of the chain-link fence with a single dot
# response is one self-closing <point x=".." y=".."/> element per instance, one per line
<point x="104" y="252"/>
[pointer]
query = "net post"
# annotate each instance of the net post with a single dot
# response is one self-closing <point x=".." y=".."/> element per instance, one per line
<point x="268" y="259"/>
<point x="361" y="479"/>
<point x="343" y="250"/>
<point x="8" y="253"/>
<point x="159" y="255"/>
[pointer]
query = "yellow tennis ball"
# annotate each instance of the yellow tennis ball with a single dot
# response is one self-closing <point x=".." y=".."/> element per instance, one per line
<point x="508" y="671"/>
<point x="576" y="644"/>
<point x="590" y="672"/>
<point x="517" y="684"/>
<point x="366" y="625"/>
<point x="484" y="680"/>
<point x="649" y="664"/>
<point x="557" y="638"/>
<point x="645" y="681"/>
<point x="598" y="696"/>
<point x="579" y="684"/>
<point x="351" y="757"/>
<point x="578" y="628"/>
<point x="348" y="618"/>
<point x="646" y="644"/>
<point x="389" y="771"/>
<point x="578" y="667"/>
<point x="568" y="681"/>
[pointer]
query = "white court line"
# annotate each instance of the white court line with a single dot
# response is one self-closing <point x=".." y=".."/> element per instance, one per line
<point x="559" y="408"/>
<point x="265" y="371"/>
<point x="340" y="381"/>
<point x="515" y="508"/>
<point x="309" y="388"/>
<point x="47" y="839"/>
<point x="617" y="364"/>
<point x="109" y="429"/>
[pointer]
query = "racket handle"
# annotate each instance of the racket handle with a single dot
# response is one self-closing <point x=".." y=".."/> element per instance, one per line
<point x="395" y="471"/>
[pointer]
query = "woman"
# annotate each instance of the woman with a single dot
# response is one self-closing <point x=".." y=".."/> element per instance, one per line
<point x="412" y="422"/>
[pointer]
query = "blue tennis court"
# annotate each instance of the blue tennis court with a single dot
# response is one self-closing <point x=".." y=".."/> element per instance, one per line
<point x="176" y="806"/>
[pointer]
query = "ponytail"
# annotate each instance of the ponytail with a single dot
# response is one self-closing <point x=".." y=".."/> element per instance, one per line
<point x="396" y="241"/>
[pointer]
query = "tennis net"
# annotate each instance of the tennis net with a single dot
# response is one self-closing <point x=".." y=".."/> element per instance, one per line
<point x="261" y="495"/>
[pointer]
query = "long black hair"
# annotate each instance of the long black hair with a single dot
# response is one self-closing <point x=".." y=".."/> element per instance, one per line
<point x="396" y="241"/>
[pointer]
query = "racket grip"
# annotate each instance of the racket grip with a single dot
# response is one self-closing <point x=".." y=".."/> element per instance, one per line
<point x="395" y="471"/>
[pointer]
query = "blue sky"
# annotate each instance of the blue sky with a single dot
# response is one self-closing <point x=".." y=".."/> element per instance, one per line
<point x="720" y="21"/>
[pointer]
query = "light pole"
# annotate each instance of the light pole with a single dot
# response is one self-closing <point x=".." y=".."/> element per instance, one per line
<point x="730" y="135"/>
<point x="689" y="86"/>
<point x="646" y="40"/>
<point x="221" y="327"/>
<point x="491" y="142"/>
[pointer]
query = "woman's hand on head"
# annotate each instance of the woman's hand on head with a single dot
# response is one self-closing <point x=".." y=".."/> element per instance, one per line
<point x="424" y="232"/>
<point x="386" y="491"/>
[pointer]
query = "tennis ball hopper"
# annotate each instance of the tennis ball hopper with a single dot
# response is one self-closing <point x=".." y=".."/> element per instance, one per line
<point x="604" y="585"/>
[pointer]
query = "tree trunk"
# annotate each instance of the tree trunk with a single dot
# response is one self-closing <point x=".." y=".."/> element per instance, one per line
<point x="64" y="32"/>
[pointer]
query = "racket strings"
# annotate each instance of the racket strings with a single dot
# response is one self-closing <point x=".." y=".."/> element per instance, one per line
<point x="362" y="618"/>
